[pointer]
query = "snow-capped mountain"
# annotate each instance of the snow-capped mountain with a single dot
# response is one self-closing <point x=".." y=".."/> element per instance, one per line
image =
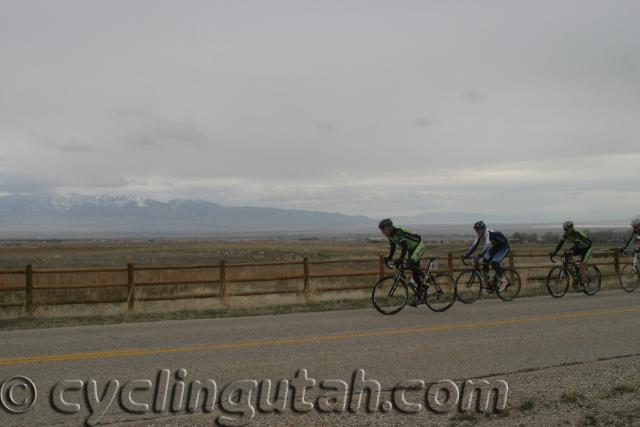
<point x="77" y="213"/>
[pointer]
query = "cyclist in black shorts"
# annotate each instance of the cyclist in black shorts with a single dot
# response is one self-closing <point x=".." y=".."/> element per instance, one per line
<point x="410" y="243"/>
<point x="581" y="246"/>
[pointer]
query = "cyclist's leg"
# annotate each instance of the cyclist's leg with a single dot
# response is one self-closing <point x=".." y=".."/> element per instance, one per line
<point x="413" y="263"/>
<point x="497" y="257"/>
<point x="584" y="261"/>
<point x="485" y="261"/>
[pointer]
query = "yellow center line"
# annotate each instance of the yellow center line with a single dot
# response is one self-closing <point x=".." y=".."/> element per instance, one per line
<point x="309" y="340"/>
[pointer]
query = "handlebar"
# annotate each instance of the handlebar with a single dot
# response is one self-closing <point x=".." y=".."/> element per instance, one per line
<point x="476" y="261"/>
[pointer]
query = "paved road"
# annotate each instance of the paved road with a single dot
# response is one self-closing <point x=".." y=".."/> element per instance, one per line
<point x="485" y="339"/>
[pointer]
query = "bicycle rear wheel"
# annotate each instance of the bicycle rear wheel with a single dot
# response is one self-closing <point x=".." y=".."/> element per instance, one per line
<point x="629" y="278"/>
<point x="441" y="294"/>
<point x="468" y="286"/>
<point x="389" y="296"/>
<point x="557" y="282"/>
<point x="594" y="280"/>
<point x="513" y="286"/>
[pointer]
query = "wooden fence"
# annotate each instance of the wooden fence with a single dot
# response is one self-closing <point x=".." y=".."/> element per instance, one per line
<point x="222" y="286"/>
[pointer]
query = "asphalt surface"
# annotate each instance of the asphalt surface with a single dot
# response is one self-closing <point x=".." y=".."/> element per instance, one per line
<point x="487" y="339"/>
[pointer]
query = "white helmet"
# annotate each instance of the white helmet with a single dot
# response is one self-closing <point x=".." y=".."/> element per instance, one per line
<point x="635" y="222"/>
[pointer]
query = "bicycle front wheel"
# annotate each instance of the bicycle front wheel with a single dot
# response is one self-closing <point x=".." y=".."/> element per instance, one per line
<point x="389" y="295"/>
<point x="557" y="282"/>
<point x="513" y="285"/>
<point x="441" y="293"/>
<point x="629" y="278"/>
<point x="594" y="280"/>
<point x="468" y="286"/>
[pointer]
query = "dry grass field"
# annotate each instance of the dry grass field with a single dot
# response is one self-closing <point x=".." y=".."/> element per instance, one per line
<point x="170" y="291"/>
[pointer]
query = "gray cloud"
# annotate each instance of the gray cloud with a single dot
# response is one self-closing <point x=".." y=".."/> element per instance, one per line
<point x="324" y="126"/>
<point x="475" y="96"/>
<point x="424" y="122"/>
<point x="72" y="147"/>
<point x="144" y="127"/>
<point x="16" y="183"/>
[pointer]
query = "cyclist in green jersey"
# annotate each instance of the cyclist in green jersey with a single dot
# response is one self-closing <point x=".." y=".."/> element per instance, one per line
<point x="581" y="246"/>
<point x="411" y="244"/>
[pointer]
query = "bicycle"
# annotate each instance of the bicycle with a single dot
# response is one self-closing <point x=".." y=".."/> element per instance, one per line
<point x="630" y="274"/>
<point x="560" y="276"/>
<point x="391" y="293"/>
<point x="471" y="282"/>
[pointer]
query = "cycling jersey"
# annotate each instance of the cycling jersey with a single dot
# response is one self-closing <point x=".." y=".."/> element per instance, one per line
<point x="577" y="237"/>
<point x="404" y="238"/>
<point x="409" y="242"/>
<point x="492" y="239"/>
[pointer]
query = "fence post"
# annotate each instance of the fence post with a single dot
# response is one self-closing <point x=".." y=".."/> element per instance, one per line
<point x="511" y="259"/>
<point x="28" y="278"/>
<point x="307" y="287"/>
<point x="224" y="293"/>
<point x="450" y="262"/>
<point x="616" y="261"/>
<point x="381" y="267"/>
<point x="130" y="285"/>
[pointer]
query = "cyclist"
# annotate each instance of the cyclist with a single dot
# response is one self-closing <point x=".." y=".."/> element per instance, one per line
<point x="581" y="246"/>
<point x="495" y="249"/>
<point x="410" y="243"/>
<point x="635" y="233"/>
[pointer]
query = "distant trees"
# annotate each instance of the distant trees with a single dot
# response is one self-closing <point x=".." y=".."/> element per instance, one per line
<point x="525" y="237"/>
<point x="608" y="236"/>
<point x="599" y="236"/>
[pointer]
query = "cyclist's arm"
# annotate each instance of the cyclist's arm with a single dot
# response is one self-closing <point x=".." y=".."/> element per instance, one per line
<point x="392" y="249"/>
<point x="559" y="245"/>
<point x="472" y="248"/>
<point x="624" y="248"/>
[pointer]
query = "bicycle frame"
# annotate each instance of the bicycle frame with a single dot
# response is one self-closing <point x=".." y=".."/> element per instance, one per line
<point x="567" y="263"/>
<point x="399" y="275"/>
<point x="635" y="259"/>
<point x="487" y="280"/>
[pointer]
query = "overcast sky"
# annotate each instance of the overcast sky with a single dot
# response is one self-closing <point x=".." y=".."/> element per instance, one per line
<point x="523" y="108"/>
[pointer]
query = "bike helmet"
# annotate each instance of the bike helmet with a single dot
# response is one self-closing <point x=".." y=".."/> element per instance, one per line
<point x="635" y="222"/>
<point x="385" y="223"/>
<point x="480" y="225"/>
<point x="567" y="225"/>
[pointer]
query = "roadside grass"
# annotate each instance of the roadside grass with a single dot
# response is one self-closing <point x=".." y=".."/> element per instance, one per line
<point x="55" y="322"/>
<point x="527" y="405"/>
<point x="571" y="396"/>
<point x="464" y="418"/>
<point x="589" y="419"/>
<point x="620" y="390"/>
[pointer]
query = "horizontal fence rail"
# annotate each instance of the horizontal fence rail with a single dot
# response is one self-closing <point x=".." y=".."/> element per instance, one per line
<point x="221" y="283"/>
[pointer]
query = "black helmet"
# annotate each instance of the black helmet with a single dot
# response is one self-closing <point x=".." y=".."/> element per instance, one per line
<point x="385" y="223"/>
<point x="567" y="225"/>
<point x="480" y="225"/>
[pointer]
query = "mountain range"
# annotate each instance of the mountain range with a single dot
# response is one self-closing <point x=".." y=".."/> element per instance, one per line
<point x="57" y="214"/>
<point x="72" y="215"/>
